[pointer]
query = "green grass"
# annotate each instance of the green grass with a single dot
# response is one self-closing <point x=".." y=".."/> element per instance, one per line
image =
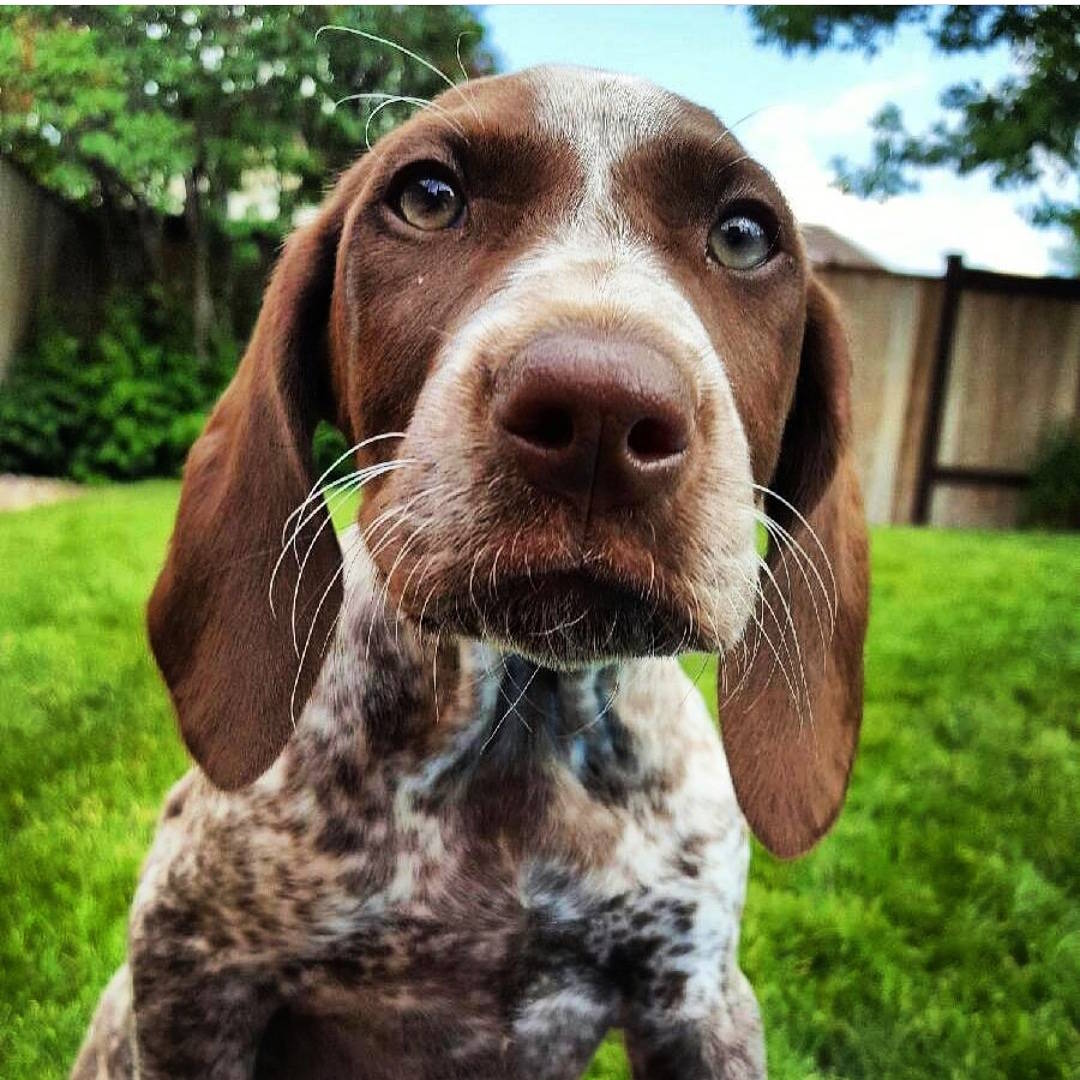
<point x="935" y="933"/>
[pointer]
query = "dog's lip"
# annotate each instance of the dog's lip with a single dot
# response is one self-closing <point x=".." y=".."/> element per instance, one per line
<point x="563" y="616"/>
<point x="571" y="579"/>
<point x="584" y="593"/>
<point x="584" y="614"/>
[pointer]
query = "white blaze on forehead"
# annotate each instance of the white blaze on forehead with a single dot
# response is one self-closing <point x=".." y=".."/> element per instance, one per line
<point x="603" y="116"/>
<point x="590" y="260"/>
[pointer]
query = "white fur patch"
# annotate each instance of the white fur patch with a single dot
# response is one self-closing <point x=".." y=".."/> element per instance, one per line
<point x="603" y="116"/>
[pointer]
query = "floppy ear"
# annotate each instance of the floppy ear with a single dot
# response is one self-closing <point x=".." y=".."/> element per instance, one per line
<point x="791" y="726"/>
<point x="230" y="665"/>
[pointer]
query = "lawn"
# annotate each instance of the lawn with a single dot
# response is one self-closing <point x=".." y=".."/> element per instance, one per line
<point x="935" y="933"/>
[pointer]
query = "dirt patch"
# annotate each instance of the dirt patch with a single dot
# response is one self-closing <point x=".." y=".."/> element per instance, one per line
<point x="19" y="492"/>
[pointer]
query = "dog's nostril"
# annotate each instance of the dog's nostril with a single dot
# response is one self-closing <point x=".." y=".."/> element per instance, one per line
<point x="549" y="427"/>
<point x="651" y="439"/>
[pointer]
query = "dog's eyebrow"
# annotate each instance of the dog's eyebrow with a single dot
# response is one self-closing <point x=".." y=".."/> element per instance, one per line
<point x="521" y="168"/>
<point x="482" y="154"/>
<point x="522" y="149"/>
<point x="704" y="154"/>
<point x="689" y="173"/>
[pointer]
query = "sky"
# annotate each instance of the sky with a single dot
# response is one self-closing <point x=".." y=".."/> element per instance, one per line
<point x="795" y="113"/>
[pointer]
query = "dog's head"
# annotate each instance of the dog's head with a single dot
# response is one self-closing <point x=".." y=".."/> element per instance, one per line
<point x="570" y="325"/>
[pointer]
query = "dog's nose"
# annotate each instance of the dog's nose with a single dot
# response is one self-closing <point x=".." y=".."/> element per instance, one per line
<point x="602" y="422"/>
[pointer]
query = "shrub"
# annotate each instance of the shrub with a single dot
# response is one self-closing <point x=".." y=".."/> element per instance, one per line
<point x="1053" y="498"/>
<point x="124" y="403"/>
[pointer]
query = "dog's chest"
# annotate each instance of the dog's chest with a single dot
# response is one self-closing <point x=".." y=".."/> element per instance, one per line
<point x="549" y="853"/>
<point x="568" y="846"/>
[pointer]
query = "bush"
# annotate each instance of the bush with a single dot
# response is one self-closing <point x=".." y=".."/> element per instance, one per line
<point x="1053" y="498"/>
<point x="125" y="403"/>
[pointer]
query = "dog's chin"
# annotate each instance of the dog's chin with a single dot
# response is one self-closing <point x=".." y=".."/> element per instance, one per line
<point x="567" y="619"/>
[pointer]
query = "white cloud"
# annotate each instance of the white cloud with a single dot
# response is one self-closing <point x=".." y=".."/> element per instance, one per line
<point x="910" y="232"/>
<point x="848" y="114"/>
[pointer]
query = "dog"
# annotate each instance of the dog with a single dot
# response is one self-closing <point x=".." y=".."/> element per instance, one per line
<point x="457" y="810"/>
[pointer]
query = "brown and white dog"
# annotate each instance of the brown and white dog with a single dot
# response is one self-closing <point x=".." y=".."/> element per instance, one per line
<point x="458" y="811"/>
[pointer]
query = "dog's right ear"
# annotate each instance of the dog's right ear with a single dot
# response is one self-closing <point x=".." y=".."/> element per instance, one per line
<point x="232" y="668"/>
<point x="791" y="725"/>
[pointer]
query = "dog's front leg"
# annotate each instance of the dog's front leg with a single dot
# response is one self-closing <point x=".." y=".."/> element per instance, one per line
<point x="200" y="1005"/>
<point x="192" y="1020"/>
<point x="721" y="1042"/>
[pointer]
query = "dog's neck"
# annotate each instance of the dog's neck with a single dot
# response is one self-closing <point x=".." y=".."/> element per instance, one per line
<point x="399" y="682"/>
<point x="523" y="709"/>
<point x="465" y="724"/>
<point x="486" y="708"/>
<point x="513" y="708"/>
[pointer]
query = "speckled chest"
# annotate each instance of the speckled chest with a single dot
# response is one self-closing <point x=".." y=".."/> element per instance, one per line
<point x="547" y="848"/>
<point x="506" y="875"/>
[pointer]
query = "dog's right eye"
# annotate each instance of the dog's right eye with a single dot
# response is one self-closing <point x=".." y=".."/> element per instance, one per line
<point x="741" y="240"/>
<point x="429" y="201"/>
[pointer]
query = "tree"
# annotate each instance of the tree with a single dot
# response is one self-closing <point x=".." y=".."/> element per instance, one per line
<point x="1023" y="130"/>
<point x="146" y="113"/>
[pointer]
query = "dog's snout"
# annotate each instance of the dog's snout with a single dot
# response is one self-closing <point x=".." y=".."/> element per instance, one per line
<point x="604" y="423"/>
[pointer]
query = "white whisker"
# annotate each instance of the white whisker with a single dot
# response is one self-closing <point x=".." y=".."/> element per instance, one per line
<point x="386" y="100"/>
<point x="407" y="52"/>
<point x="802" y="560"/>
<point x="457" y="52"/>
<point x="362" y="477"/>
<point x="333" y="465"/>
<point x="811" y="530"/>
<point x="512" y="708"/>
<point x="798" y="658"/>
<point x="311" y="630"/>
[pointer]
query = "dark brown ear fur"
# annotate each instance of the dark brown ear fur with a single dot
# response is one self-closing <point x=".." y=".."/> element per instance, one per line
<point x="791" y="727"/>
<point x="230" y="665"/>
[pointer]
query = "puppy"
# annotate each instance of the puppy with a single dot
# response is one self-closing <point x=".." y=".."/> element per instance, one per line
<point x="457" y="811"/>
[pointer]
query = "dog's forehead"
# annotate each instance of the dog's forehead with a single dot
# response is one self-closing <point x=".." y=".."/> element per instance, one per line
<point x="602" y="115"/>
<point x="596" y="109"/>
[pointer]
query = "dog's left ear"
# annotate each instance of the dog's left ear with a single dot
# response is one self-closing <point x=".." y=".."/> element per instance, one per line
<point x="791" y="727"/>
<point x="234" y="671"/>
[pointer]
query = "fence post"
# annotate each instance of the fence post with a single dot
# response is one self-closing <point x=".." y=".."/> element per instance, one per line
<point x="939" y="382"/>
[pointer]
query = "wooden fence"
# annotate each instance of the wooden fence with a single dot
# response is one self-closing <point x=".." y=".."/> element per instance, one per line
<point x="29" y="226"/>
<point x="957" y="380"/>
<point x="49" y="255"/>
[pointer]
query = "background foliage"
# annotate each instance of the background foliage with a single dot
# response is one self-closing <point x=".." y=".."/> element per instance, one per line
<point x="1024" y="131"/>
<point x="1053" y="497"/>
<point x="124" y="403"/>
<point x="143" y="113"/>
<point x="216" y="124"/>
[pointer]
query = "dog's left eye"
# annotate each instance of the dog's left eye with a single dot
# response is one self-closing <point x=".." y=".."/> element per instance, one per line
<point x="741" y="241"/>
<point x="429" y="202"/>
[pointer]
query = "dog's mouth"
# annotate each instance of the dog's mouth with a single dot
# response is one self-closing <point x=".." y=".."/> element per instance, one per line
<point x="566" y="617"/>
<point x="527" y="575"/>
